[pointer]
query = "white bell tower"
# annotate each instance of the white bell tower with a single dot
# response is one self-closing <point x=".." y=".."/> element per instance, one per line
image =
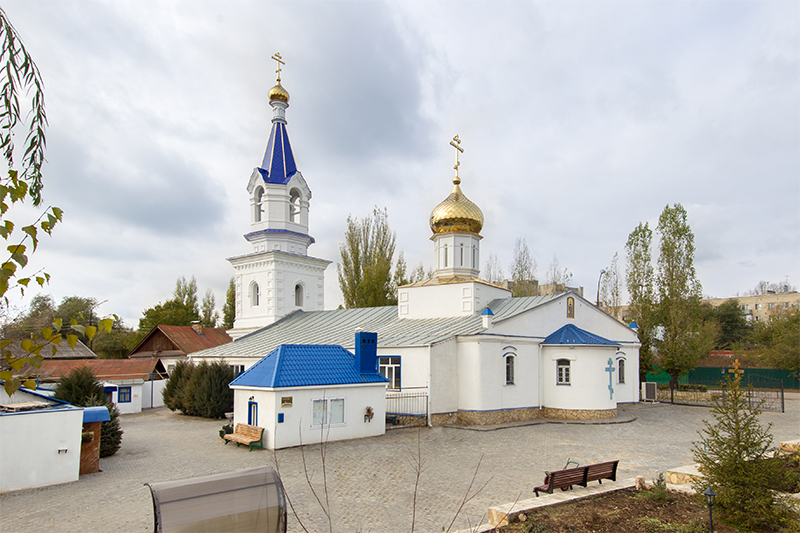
<point x="278" y="276"/>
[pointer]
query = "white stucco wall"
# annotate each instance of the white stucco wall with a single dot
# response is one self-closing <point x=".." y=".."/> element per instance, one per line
<point x="40" y="448"/>
<point x="446" y="300"/>
<point x="444" y="377"/>
<point x="152" y="393"/>
<point x="482" y="373"/>
<point x="588" y="388"/>
<point x="135" y="405"/>
<point x="297" y="418"/>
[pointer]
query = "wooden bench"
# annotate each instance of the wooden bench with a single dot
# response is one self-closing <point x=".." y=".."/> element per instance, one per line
<point x="562" y="479"/>
<point x="565" y="479"/>
<point x="248" y="435"/>
<point x="600" y="471"/>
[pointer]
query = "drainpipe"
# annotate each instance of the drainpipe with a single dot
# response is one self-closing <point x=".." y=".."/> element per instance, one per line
<point x="541" y="376"/>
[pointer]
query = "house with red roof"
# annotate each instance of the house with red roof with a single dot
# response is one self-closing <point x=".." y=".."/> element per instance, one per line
<point x="132" y="384"/>
<point x="171" y="344"/>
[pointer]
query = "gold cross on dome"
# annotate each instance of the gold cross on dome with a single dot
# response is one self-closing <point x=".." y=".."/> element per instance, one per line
<point x="456" y="143"/>
<point x="277" y="57"/>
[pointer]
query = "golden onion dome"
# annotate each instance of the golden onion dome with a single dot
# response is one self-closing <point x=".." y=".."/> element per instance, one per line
<point x="456" y="213"/>
<point x="279" y="93"/>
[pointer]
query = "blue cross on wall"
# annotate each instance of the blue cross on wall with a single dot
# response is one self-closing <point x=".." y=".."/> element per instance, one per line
<point x="610" y="370"/>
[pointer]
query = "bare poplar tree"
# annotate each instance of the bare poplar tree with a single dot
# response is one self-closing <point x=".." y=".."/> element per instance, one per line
<point x="611" y="288"/>
<point x="493" y="273"/>
<point x="557" y="277"/>
<point x="523" y="270"/>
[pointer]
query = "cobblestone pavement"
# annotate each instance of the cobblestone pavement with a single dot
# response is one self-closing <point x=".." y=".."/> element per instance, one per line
<point x="370" y="481"/>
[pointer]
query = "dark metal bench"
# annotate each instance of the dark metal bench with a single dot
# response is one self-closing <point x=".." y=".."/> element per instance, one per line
<point x="582" y="475"/>
<point x="247" y="500"/>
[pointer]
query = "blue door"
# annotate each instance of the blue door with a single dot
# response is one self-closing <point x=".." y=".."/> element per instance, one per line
<point x="252" y="413"/>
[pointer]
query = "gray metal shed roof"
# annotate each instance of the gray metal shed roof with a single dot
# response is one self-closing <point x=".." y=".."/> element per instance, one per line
<point x="338" y="326"/>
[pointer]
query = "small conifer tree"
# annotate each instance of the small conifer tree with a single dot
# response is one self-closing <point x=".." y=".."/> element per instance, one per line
<point x="110" y="430"/>
<point x="78" y="387"/>
<point x="81" y="388"/>
<point x="735" y="456"/>
<point x="173" y="391"/>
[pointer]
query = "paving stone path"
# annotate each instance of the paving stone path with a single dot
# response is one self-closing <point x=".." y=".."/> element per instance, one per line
<point x="370" y="481"/>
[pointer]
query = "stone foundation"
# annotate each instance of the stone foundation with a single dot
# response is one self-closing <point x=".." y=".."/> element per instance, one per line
<point x="486" y="418"/>
<point x="405" y="421"/>
<point x="578" y="414"/>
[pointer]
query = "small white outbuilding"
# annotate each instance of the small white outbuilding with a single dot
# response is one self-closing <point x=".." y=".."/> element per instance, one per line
<point x="306" y="394"/>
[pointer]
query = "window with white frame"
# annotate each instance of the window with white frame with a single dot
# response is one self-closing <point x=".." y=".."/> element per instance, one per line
<point x="510" y="369"/>
<point x="257" y="208"/>
<point x="389" y="367"/>
<point x="563" y="372"/>
<point x="255" y="294"/>
<point x="294" y="205"/>
<point x="237" y="369"/>
<point x="621" y="370"/>
<point x="327" y="412"/>
<point x="298" y="295"/>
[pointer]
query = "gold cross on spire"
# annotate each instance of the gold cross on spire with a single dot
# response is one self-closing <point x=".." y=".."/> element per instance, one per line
<point x="736" y="371"/>
<point x="277" y="57"/>
<point x="456" y="143"/>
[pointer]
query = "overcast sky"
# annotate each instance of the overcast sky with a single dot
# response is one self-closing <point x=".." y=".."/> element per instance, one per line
<point x="578" y="119"/>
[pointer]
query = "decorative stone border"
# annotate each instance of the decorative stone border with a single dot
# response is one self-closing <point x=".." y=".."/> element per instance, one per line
<point x="578" y="414"/>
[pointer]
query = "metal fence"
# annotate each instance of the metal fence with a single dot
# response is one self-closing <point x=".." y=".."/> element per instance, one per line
<point x="405" y="409"/>
<point x="763" y="392"/>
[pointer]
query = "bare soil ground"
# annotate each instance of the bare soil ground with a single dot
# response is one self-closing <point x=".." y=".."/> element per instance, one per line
<point x="624" y="510"/>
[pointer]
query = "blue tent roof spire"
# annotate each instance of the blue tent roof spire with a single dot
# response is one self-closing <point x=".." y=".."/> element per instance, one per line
<point x="278" y="165"/>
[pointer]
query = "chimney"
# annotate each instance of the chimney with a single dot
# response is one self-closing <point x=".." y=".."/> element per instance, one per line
<point x="197" y="327"/>
<point x="487" y="316"/>
<point x="366" y="352"/>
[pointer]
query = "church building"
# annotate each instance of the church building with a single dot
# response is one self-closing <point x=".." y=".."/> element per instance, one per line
<point x="479" y="355"/>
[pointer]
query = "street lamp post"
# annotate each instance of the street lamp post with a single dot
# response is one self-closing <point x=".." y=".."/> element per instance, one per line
<point x="602" y="273"/>
<point x="710" y="495"/>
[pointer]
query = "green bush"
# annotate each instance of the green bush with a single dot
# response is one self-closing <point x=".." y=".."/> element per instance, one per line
<point x="734" y="456"/>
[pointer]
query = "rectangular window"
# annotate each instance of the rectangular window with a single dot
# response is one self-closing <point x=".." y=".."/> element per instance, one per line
<point x="758" y="307"/>
<point x="786" y="305"/>
<point x="621" y="370"/>
<point x="327" y="411"/>
<point x="124" y="395"/>
<point x="509" y="370"/>
<point x="389" y="367"/>
<point x="237" y="369"/>
<point x="562" y="372"/>
<point x="770" y="306"/>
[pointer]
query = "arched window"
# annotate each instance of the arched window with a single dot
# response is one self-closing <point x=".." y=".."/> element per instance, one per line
<point x="294" y="205"/>
<point x="257" y="209"/>
<point x="460" y="255"/>
<point x="298" y="295"/>
<point x="621" y="370"/>
<point x="562" y="372"/>
<point x="509" y="370"/>
<point x="255" y="294"/>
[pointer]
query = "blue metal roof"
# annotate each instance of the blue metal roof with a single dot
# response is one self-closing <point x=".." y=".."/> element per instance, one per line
<point x="278" y="165"/>
<point x="303" y="365"/>
<point x="573" y="335"/>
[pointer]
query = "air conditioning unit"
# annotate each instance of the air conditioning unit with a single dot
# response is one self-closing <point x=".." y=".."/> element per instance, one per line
<point x="649" y="391"/>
